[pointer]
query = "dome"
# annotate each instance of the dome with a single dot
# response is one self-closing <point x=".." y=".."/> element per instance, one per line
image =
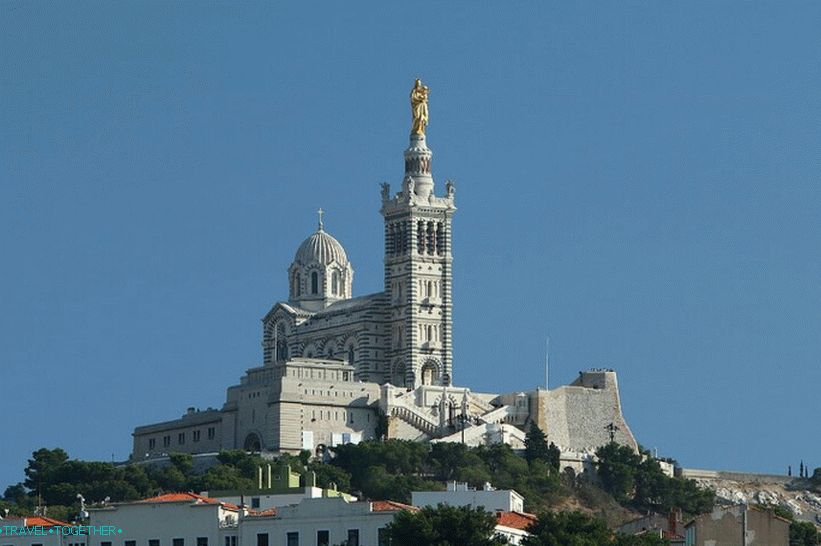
<point x="321" y="248"/>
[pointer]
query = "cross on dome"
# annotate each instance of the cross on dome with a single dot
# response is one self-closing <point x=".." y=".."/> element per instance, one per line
<point x="320" y="212"/>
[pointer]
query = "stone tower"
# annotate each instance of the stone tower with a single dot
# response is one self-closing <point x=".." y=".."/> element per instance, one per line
<point x="418" y="276"/>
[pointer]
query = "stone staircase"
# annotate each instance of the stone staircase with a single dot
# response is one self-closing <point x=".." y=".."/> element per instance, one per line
<point x="416" y="418"/>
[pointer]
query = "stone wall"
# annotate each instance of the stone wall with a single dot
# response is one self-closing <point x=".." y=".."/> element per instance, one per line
<point x="576" y="416"/>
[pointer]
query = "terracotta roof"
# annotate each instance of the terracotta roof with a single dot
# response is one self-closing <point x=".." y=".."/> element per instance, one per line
<point x="189" y="497"/>
<point x="515" y="520"/>
<point x="263" y="513"/>
<point x="43" y="521"/>
<point x="391" y="506"/>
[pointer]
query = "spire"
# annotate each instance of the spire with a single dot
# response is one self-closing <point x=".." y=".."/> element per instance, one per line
<point x="320" y="212"/>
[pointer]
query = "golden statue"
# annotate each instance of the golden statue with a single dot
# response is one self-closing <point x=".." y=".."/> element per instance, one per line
<point x="419" y="107"/>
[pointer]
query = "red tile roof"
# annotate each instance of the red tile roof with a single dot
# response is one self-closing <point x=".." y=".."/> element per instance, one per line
<point x="43" y="521"/>
<point x="515" y="520"/>
<point x="189" y="497"/>
<point x="263" y="513"/>
<point x="391" y="506"/>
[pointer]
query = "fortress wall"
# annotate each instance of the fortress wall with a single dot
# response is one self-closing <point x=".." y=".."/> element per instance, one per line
<point x="743" y="477"/>
<point x="577" y="415"/>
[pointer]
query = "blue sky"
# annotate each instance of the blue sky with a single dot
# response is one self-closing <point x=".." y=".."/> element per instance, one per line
<point x="638" y="180"/>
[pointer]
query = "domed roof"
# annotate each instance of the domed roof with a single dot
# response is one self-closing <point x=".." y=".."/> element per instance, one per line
<point x="322" y="248"/>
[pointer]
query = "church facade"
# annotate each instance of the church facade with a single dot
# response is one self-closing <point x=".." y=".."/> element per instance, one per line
<point x="337" y="368"/>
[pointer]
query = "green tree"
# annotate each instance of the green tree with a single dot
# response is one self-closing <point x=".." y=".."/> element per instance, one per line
<point x="617" y="467"/>
<point x="15" y="493"/>
<point x="637" y="481"/>
<point x="223" y="477"/>
<point x="327" y="474"/>
<point x="578" y="529"/>
<point x="804" y="533"/>
<point x="444" y="526"/>
<point x="42" y="466"/>
<point x="536" y="448"/>
<point x="815" y="479"/>
<point x="553" y="457"/>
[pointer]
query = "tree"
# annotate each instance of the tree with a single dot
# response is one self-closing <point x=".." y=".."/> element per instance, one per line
<point x="554" y="455"/>
<point x="223" y="477"/>
<point x="15" y="493"/>
<point x="617" y="468"/>
<point x="815" y="479"/>
<point x="42" y="466"/>
<point x="444" y="526"/>
<point x="578" y="529"/>
<point x="536" y="448"/>
<point x="637" y="481"/>
<point x="804" y="533"/>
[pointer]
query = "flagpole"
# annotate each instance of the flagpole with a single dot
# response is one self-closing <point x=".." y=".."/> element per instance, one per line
<point x="547" y="363"/>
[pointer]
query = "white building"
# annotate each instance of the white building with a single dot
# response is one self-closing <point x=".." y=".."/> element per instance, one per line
<point x="173" y="519"/>
<point x="460" y="494"/>
<point x="322" y="522"/>
<point x="333" y="364"/>
<point x="186" y="519"/>
<point x="37" y="531"/>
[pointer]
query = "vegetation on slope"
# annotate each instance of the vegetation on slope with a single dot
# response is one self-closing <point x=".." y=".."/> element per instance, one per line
<point x="377" y="470"/>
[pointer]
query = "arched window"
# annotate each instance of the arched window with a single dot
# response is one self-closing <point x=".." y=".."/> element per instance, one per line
<point x="350" y="355"/>
<point x="335" y="283"/>
<point x="282" y="351"/>
<point x="296" y="284"/>
<point x="430" y="373"/>
<point x="314" y="282"/>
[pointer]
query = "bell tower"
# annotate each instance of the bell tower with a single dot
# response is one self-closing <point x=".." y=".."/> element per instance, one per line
<point x="418" y="261"/>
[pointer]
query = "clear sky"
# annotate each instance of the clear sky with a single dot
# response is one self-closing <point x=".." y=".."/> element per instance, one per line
<point x="637" y="180"/>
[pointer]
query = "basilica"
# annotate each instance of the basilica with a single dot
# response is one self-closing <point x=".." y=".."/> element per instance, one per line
<point x="336" y="368"/>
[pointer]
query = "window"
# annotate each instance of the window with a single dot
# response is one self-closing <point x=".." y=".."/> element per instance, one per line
<point x="382" y="537"/>
<point x="130" y="543"/>
<point x="178" y="542"/>
<point x="335" y="283"/>
<point x="254" y="502"/>
<point x="323" y="538"/>
<point x="154" y="542"/>
<point x="262" y="539"/>
<point x="292" y="539"/>
<point x="202" y="541"/>
<point x="166" y="440"/>
<point x="196" y="435"/>
<point x="211" y="433"/>
<point x="314" y="282"/>
<point x="152" y="443"/>
<point x="181" y="438"/>
<point x="353" y="537"/>
<point x="231" y="540"/>
<point x="105" y="543"/>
